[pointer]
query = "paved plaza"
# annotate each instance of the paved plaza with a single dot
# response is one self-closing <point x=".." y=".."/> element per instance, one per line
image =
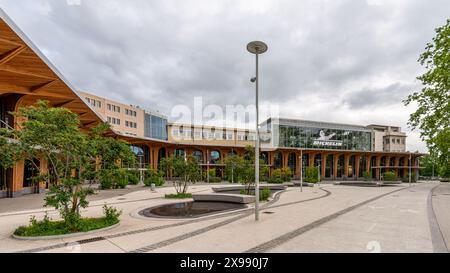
<point x="324" y="218"/>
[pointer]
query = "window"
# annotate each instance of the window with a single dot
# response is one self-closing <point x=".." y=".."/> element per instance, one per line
<point x="126" y="123"/>
<point x="109" y="107"/>
<point x="109" y="119"/>
<point x="398" y="141"/>
<point x="118" y="109"/>
<point x="93" y="103"/>
<point x="118" y="121"/>
<point x="126" y="111"/>
<point x="99" y="104"/>
<point x="88" y="100"/>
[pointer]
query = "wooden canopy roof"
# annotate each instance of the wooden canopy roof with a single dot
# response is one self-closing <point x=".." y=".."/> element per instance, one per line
<point x="25" y="70"/>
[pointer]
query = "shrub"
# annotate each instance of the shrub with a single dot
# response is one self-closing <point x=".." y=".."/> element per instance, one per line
<point x="113" y="179"/>
<point x="389" y="176"/>
<point x="275" y="180"/>
<point x="264" y="194"/>
<point x="215" y="180"/>
<point x="154" y="177"/>
<point x="311" y="175"/>
<point x="367" y="176"/>
<point x="111" y="214"/>
<point x="133" y="177"/>
<point x="282" y="174"/>
<point x="178" y="196"/>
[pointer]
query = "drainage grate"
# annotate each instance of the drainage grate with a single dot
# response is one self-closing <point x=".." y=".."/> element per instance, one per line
<point x="269" y="212"/>
<point x="91" y="240"/>
<point x="121" y="199"/>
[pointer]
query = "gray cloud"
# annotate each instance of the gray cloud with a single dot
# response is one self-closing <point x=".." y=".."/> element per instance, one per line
<point x="161" y="53"/>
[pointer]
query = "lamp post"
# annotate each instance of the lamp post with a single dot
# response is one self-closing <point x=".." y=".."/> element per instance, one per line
<point x="257" y="47"/>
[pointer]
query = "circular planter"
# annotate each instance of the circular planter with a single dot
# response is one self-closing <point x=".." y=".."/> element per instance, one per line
<point x="63" y="236"/>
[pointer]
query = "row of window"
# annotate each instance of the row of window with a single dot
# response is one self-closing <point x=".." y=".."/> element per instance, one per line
<point x="394" y="141"/>
<point x="130" y="124"/>
<point x="115" y="121"/>
<point x="130" y="112"/>
<point x="113" y="108"/>
<point x="199" y="134"/>
<point x="93" y="102"/>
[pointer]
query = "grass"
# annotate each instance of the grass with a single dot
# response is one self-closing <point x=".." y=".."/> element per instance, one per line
<point x="49" y="228"/>
<point x="178" y="196"/>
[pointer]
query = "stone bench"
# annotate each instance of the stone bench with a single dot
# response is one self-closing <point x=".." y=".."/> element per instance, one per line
<point x="224" y="197"/>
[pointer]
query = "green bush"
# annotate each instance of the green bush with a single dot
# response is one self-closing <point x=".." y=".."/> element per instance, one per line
<point x="389" y="176"/>
<point x="367" y="176"/>
<point x="275" y="180"/>
<point x="113" y="179"/>
<point x="133" y="177"/>
<point x="46" y="227"/>
<point x="311" y="175"/>
<point x="283" y="174"/>
<point x="111" y="214"/>
<point x="264" y="194"/>
<point x="178" y="196"/>
<point x="154" y="177"/>
<point x="215" y="180"/>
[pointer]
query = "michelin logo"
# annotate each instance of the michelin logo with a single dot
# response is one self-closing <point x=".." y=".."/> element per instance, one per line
<point x="325" y="140"/>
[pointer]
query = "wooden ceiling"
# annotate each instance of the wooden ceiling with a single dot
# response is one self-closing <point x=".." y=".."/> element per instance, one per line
<point x="26" y="71"/>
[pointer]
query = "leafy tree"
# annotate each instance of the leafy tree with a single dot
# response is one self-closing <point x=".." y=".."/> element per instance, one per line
<point x="185" y="170"/>
<point x="54" y="135"/>
<point x="432" y="116"/>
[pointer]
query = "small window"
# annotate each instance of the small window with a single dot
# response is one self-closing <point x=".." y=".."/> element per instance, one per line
<point x="99" y="104"/>
<point x="118" y="121"/>
<point x="109" y="119"/>
<point x="118" y="109"/>
<point x="88" y="100"/>
<point x="109" y="107"/>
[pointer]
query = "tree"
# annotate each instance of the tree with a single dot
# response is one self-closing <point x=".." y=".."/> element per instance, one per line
<point x="432" y="116"/>
<point x="53" y="135"/>
<point x="186" y="170"/>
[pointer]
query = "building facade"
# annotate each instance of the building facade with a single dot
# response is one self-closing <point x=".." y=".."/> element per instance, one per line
<point x="340" y="151"/>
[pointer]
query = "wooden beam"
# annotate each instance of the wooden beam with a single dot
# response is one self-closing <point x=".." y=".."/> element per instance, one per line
<point x="62" y="104"/>
<point x="10" y="42"/>
<point x="8" y="56"/>
<point x="40" y="87"/>
<point x="7" y="68"/>
<point x="89" y="123"/>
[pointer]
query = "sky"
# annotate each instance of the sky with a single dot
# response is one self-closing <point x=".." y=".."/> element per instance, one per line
<point x="345" y="61"/>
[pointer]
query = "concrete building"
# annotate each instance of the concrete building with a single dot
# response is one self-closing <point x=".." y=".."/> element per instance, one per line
<point x="388" y="138"/>
<point x="341" y="151"/>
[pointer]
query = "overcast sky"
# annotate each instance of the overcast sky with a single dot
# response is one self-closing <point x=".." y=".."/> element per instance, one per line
<point x="329" y="60"/>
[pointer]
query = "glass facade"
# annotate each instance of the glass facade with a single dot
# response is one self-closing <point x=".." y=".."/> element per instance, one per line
<point x="155" y="127"/>
<point x="322" y="138"/>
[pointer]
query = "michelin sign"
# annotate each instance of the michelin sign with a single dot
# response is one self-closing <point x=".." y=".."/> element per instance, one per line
<point x="325" y="140"/>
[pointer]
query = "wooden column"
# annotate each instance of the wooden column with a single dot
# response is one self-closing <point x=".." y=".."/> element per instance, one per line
<point x="396" y="163"/>
<point x="368" y="161"/>
<point x="346" y="163"/>
<point x="357" y="163"/>
<point x="377" y="164"/>
<point x="298" y="165"/>
<point x="324" y="164"/>
<point x="335" y="165"/>
<point x="17" y="179"/>
<point x="311" y="159"/>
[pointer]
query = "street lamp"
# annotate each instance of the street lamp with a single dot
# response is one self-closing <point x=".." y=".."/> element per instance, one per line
<point x="257" y="47"/>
